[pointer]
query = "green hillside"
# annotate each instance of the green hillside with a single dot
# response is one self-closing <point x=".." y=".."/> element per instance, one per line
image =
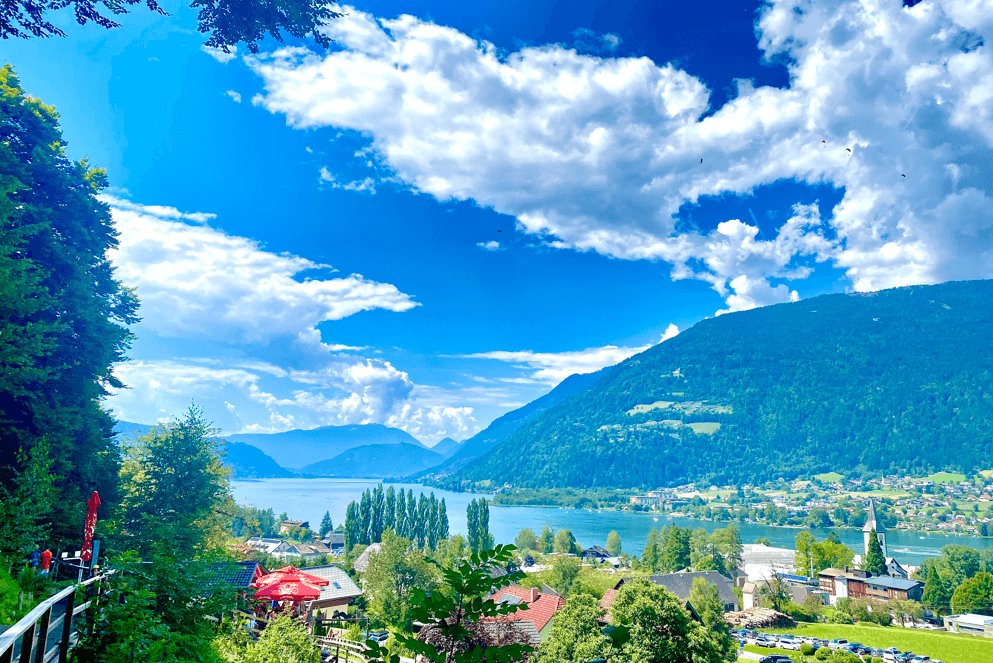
<point x="375" y="461"/>
<point x="898" y="380"/>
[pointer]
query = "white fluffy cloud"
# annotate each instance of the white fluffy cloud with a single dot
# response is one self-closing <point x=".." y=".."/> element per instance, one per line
<point x="348" y="390"/>
<point x="197" y="282"/>
<point x="491" y="245"/>
<point x="220" y="54"/>
<point x="893" y="104"/>
<point x="236" y="96"/>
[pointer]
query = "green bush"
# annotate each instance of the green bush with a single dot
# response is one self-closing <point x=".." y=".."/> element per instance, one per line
<point x="806" y="649"/>
<point x="840" y="617"/>
<point x="9" y="589"/>
<point x="283" y="640"/>
<point x="823" y="654"/>
<point x="876" y="659"/>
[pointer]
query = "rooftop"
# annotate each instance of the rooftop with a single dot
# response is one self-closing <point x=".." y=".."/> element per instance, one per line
<point x="541" y="607"/>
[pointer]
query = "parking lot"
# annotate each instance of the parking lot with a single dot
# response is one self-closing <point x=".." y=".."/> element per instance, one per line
<point x="795" y="643"/>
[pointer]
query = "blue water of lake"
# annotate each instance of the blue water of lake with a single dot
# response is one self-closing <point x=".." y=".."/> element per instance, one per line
<point x="308" y="499"/>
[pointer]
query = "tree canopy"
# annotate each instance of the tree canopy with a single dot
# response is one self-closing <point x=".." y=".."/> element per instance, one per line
<point x="228" y="22"/>
<point x="63" y="317"/>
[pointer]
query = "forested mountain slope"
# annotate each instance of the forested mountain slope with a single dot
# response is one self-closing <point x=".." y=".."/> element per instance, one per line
<point x="480" y="443"/>
<point x="895" y="380"/>
<point x="375" y="460"/>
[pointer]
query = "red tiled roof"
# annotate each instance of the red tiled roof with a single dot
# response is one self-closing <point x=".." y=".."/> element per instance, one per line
<point x="606" y="602"/>
<point x="541" y="607"/>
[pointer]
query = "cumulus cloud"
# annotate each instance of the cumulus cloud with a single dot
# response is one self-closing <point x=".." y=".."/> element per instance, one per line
<point x="234" y="95"/>
<point x="348" y="390"/>
<point x="671" y="331"/>
<point x="491" y="245"/>
<point x="892" y="104"/>
<point x="198" y="282"/>
<point x="220" y="54"/>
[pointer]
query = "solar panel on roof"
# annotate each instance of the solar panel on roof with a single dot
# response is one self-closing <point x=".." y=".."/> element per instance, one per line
<point x="336" y="585"/>
<point x="510" y="599"/>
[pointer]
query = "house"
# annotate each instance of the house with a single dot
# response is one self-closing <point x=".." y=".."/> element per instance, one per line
<point x="596" y="554"/>
<point x="751" y="593"/>
<point x="972" y="624"/>
<point x="541" y="608"/>
<point x="362" y="561"/>
<point x="336" y="595"/>
<point x="288" y="525"/>
<point x="760" y="562"/>
<point x="680" y="584"/>
<point x="849" y="583"/>
<point x="267" y="545"/>
<point x="335" y="541"/>
<point x="281" y="549"/>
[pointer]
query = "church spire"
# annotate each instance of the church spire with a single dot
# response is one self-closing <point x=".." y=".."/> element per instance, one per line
<point x="871" y="523"/>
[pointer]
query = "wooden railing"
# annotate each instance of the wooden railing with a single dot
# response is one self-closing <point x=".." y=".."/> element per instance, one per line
<point x="34" y="638"/>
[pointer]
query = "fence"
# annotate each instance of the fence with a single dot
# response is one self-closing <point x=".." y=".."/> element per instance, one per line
<point x="34" y="639"/>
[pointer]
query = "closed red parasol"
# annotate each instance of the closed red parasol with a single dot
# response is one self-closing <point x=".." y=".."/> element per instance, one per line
<point x="289" y="591"/>
<point x="288" y="574"/>
<point x="86" y="552"/>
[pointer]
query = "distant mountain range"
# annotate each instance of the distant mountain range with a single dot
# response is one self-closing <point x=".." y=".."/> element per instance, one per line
<point x="481" y="443"/>
<point x="897" y="380"/>
<point x="376" y="461"/>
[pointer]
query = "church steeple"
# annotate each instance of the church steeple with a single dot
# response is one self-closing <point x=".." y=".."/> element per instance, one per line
<point x="872" y="523"/>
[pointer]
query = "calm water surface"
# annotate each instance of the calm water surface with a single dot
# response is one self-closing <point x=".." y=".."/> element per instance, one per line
<point x="308" y="499"/>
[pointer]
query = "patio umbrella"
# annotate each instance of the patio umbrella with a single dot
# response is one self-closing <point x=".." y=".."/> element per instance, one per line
<point x="289" y="574"/>
<point x="289" y="591"/>
<point x="90" y="526"/>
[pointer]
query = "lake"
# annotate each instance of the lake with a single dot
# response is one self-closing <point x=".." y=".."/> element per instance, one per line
<point x="308" y="499"/>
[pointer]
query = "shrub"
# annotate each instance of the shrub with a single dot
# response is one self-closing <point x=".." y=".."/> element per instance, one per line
<point x="806" y="649"/>
<point x="840" y="617"/>
<point x="823" y="654"/>
<point x="876" y="659"/>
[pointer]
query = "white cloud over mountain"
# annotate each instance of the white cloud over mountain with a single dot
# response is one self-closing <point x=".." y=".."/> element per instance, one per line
<point x="198" y="283"/>
<point x="892" y="104"/>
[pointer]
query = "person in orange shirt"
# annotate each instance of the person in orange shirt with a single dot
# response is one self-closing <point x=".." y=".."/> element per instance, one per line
<point x="46" y="561"/>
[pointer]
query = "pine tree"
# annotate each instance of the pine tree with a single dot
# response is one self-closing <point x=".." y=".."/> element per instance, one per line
<point x="326" y="524"/>
<point x="874" y="562"/>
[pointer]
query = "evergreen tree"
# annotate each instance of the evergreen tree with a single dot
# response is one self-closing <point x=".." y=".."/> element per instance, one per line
<point x="651" y="554"/>
<point x="676" y="553"/>
<point x="874" y="562"/>
<point x="472" y="526"/>
<point x="937" y="591"/>
<point x="63" y="317"/>
<point x="389" y="515"/>
<point x="485" y="538"/>
<point x="326" y="524"/>
<point x="24" y="511"/>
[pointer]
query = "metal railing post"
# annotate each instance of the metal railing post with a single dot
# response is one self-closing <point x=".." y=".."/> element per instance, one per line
<point x="27" y="643"/>
<point x="67" y="628"/>
<point x="46" y="619"/>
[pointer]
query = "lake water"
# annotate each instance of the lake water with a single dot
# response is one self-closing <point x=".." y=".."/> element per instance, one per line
<point x="308" y="499"/>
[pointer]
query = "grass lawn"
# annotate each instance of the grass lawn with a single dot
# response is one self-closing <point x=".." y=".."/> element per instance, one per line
<point x="948" y="647"/>
<point x="947" y="477"/>
<point x="829" y="477"/>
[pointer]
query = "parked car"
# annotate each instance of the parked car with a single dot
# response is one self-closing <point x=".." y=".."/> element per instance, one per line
<point x="837" y="643"/>
<point x="789" y="643"/>
<point x="377" y="636"/>
<point x="776" y="658"/>
<point x="890" y="654"/>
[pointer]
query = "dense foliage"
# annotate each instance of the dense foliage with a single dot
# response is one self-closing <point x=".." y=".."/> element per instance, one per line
<point x="423" y="521"/>
<point x="63" y="316"/>
<point x="945" y="576"/>
<point x="478" y="526"/>
<point x="228" y="22"/>
<point x="894" y="381"/>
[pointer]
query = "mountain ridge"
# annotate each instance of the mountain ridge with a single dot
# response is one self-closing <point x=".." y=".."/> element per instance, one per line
<point x="898" y="379"/>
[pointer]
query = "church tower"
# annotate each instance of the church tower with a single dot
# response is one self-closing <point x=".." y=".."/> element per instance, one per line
<point x="872" y="524"/>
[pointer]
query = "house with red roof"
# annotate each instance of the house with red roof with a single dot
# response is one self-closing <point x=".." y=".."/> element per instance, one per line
<point x="541" y="609"/>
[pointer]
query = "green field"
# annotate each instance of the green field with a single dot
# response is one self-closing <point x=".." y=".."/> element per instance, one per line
<point x="947" y="477"/>
<point x="948" y="647"/>
<point x="829" y="477"/>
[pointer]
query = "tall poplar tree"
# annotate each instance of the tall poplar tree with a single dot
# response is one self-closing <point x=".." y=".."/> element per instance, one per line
<point x="63" y="317"/>
<point x="472" y="525"/>
<point x="442" y="520"/>
<point x="376" y="517"/>
<point x="423" y="521"/>
<point x="365" y="517"/>
<point x="352" y="535"/>
<point x="411" y="515"/>
<point x="432" y="528"/>
<point x="389" y="514"/>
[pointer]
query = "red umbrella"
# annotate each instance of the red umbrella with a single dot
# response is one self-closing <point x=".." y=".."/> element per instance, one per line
<point x="289" y="574"/>
<point x="90" y="526"/>
<point x="289" y="591"/>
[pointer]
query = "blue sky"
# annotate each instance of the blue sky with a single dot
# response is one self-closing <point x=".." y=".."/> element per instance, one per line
<point x="462" y="203"/>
